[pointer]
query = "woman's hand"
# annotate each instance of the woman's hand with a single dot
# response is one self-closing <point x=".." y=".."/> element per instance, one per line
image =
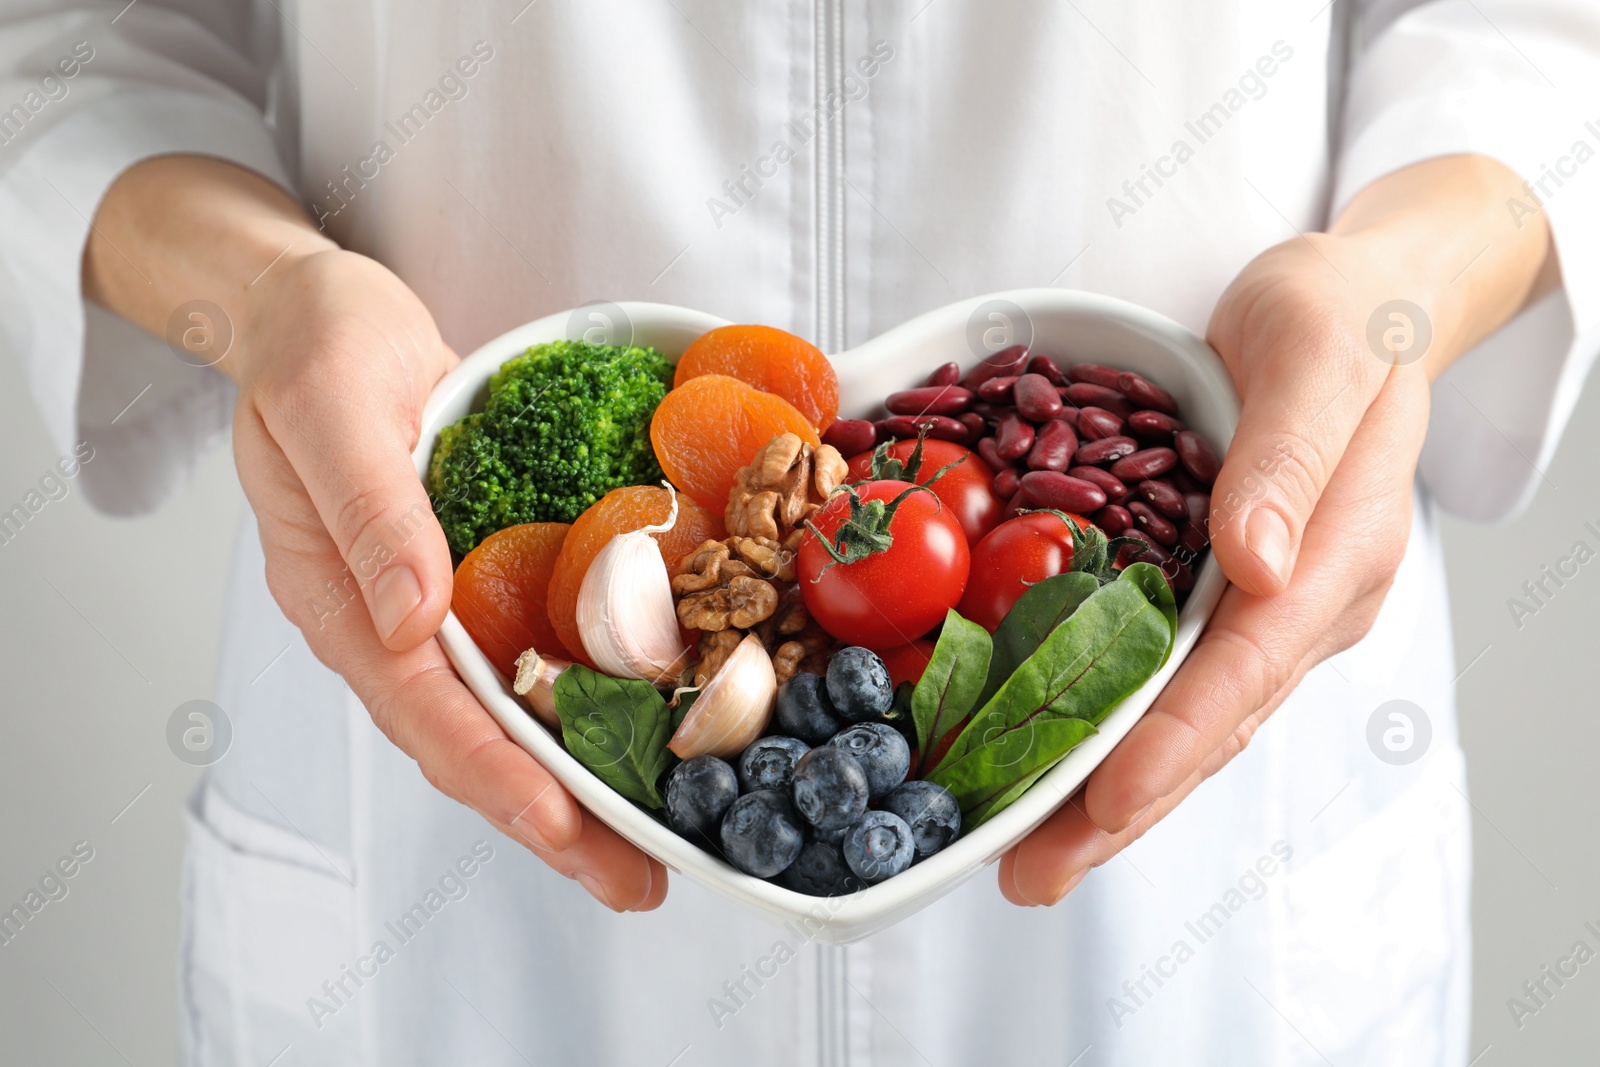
<point x="1311" y="513"/>
<point x="335" y="357"/>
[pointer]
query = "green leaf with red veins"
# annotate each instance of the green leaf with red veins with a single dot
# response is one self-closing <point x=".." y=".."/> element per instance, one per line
<point x="951" y="684"/>
<point x="1109" y="647"/>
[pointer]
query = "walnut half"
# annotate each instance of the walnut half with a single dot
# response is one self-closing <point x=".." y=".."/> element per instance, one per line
<point x="725" y="584"/>
<point x="784" y="484"/>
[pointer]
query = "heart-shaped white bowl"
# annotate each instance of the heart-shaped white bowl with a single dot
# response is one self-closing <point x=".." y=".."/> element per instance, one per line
<point x="1068" y="326"/>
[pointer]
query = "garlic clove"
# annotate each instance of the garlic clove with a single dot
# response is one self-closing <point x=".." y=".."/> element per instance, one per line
<point x="626" y="615"/>
<point x="734" y="707"/>
<point x="536" y="683"/>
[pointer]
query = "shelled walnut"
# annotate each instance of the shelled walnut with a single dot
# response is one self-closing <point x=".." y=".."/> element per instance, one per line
<point x="729" y="584"/>
<point x="784" y="484"/>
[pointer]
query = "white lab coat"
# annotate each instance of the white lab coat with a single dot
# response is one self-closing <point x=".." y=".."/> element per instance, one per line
<point x="1309" y="903"/>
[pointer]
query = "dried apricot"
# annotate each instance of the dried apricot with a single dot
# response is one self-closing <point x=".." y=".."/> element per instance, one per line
<point x="500" y="590"/>
<point x="709" y="427"/>
<point x="620" y="511"/>
<point x="770" y="359"/>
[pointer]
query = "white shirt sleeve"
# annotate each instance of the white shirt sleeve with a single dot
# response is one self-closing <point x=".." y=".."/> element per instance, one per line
<point x="86" y="90"/>
<point x="1518" y="81"/>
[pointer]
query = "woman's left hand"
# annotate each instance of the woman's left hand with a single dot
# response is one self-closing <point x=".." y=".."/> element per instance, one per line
<point x="1312" y="511"/>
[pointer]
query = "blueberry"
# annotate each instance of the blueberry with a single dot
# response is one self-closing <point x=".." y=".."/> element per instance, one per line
<point x="882" y="752"/>
<point x="805" y="711"/>
<point x="769" y="763"/>
<point x="931" y="812"/>
<point x="879" y="846"/>
<point x="761" y="833"/>
<point x="830" y="788"/>
<point x="820" y="872"/>
<point x="699" y="792"/>
<point x="831" y="837"/>
<point x="858" y="685"/>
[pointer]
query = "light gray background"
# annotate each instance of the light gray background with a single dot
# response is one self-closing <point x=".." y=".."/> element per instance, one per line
<point x="109" y="625"/>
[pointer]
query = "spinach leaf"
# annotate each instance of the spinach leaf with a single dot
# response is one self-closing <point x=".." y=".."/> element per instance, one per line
<point x="1031" y="619"/>
<point x="951" y="684"/>
<point x="1148" y="577"/>
<point x="617" y="728"/>
<point x="990" y="808"/>
<point x="1105" y="650"/>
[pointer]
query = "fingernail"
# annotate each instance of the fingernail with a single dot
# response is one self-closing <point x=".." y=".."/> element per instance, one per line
<point x="395" y="595"/>
<point x="1071" y="884"/>
<point x="1267" y="536"/>
<point x="595" y="890"/>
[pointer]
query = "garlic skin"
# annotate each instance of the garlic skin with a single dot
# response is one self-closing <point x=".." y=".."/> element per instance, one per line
<point x="734" y="708"/>
<point x="536" y="683"/>
<point x="626" y="616"/>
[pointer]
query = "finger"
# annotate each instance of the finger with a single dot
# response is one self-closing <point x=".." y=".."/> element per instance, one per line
<point x="348" y="435"/>
<point x="613" y="871"/>
<point x="1305" y="390"/>
<point x="1254" y="650"/>
<point x="414" y="697"/>
<point x="1049" y="863"/>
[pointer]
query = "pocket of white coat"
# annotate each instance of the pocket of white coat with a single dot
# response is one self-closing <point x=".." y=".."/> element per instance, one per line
<point x="268" y="920"/>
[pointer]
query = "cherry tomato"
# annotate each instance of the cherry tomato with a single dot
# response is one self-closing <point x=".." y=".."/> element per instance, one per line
<point x="907" y="662"/>
<point x="1018" y="553"/>
<point x="891" y="597"/>
<point x="965" y="488"/>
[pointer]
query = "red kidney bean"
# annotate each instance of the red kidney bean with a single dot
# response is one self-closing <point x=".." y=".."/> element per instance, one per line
<point x="1184" y="481"/>
<point x="1068" y="415"/>
<point x="903" y="427"/>
<point x="1179" y="575"/>
<point x="1145" y="464"/>
<point x="1105" y="450"/>
<point x="1053" y="446"/>
<point x="975" y="425"/>
<point x="1037" y="400"/>
<point x="851" y="436"/>
<point x="1096" y="423"/>
<point x="1199" y="459"/>
<point x="1049" y="368"/>
<point x="1192" y="539"/>
<point x="1145" y="393"/>
<point x="1014" y="506"/>
<point x="1115" y="491"/>
<point x="992" y="412"/>
<point x="1006" y="361"/>
<point x="1157" y="425"/>
<point x="1093" y="373"/>
<point x="1051" y="489"/>
<point x="1164" y="498"/>
<point x="1013" y="437"/>
<point x="990" y="453"/>
<point x="930" y="400"/>
<point x="998" y="390"/>
<point x="1087" y="394"/>
<point x="945" y="374"/>
<point x="1198" y="507"/>
<point x="1007" y="482"/>
<point x="1157" y="526"/>
<point x="1113" y="519"/>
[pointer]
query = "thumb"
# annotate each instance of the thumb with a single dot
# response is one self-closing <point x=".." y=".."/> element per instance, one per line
<point x="351" y="449"/>
<point x="1301" y="404"/>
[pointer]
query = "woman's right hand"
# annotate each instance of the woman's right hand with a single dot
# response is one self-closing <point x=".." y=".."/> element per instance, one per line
<point x="335" y="357"/>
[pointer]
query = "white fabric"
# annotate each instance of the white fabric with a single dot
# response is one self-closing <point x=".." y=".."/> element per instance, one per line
<point x="578" y="160"/>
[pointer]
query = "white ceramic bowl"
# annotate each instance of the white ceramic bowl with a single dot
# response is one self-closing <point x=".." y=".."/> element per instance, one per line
<point x="1069" y="326"/>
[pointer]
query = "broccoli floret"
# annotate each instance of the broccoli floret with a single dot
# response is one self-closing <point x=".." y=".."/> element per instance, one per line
<point x="565" y="423"/>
